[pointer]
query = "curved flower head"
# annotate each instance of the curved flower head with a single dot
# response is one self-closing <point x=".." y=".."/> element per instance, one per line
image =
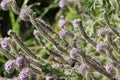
<point x="74" y="52"/>
<point x="20" y="61"/>
<point x="10" y="66"/>
<point x="24" y="74"/>
<point x="5" y="4"/>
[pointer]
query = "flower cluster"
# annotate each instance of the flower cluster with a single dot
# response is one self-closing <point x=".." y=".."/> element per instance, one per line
<point x="67" y="57"/>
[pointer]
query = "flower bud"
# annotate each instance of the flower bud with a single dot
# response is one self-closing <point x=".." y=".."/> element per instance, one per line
<point x="5" y="4"/>
<point x="74" y="52"/>
<point x="20" y="61"/>
<point x="24" y="74"/>
<point x="10" y="66"/>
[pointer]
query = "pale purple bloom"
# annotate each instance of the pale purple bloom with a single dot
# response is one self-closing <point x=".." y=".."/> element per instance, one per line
<point x="24" y="74"/>
<point x="76" y="23"/>
<point x="63" y="3"/>
<point x="101" y="46"/>
<point x="20" y="61"/>
<point x="3" y="43"/>
<point x="10" y="66"/>
<point x="82" y="68"/>
<point x="62" y="21"/>
<point x="74" y="52"/>
<point x="109" y="68"/>
<point x="63" y="33"/>
<point x="5" y="4"/>
<point x="48" y="77"/>
<point x="103" y="31"/>
<point x="23" y="14"/>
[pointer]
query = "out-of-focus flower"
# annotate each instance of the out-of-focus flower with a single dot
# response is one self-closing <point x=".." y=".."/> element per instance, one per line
<point x="20" y="61"/>
<point x="64" y="33"/>
<point x="10" y="66"/>
<point x="63" y="3"/>
<point x="82" y="69"/>
<point x="76" y="23"/>
<point x="101" y="46"/>
<point x="5" y="4"/>
<point x="103" y="31"/>
<point x="74" y="52"/>
<point x="109" y="68"/>
<point x="62" y="21"/>
<point x="48" y="77"/>
<point x="24" y="74"/>
<point x="23" y="14"/>
<point x="4" y="43"/>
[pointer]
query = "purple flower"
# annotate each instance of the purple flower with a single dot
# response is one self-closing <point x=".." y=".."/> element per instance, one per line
<point x="74" y="52"/>
<point x="3" y="43"/>
<point x="103" y="31"/>
<point x="63" y="3"/>
<point x="63" y="33"/>
<point x="76" y="23"/>
<point x="101" y="46"/>
<point x="23" y="14"/>
<point x="10" y="66"/>
<point x="48" y="77"/>
<point x="24" y="74"/>
<point x="109" y="68"/>
<point x="5" y="4"/>
<point x="62" y="21"/>
<point x="82" y="68"/>
<point x="20" y="61"/>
